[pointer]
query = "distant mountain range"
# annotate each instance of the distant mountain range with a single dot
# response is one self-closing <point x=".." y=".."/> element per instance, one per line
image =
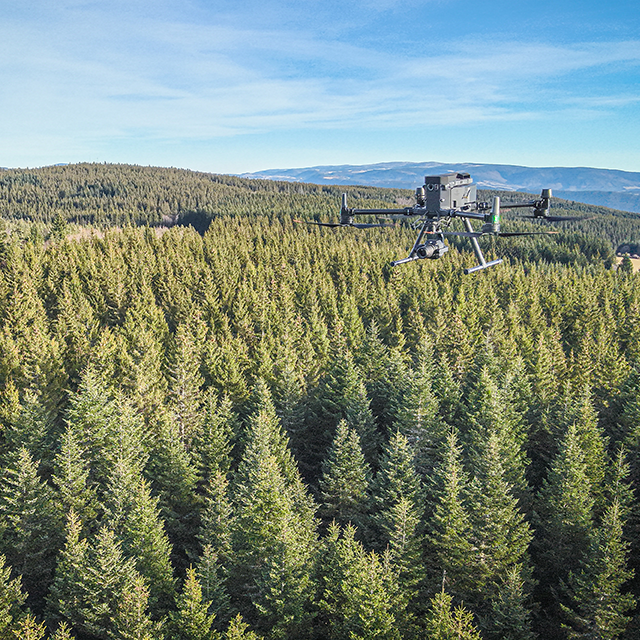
<point x="604" y="187"/>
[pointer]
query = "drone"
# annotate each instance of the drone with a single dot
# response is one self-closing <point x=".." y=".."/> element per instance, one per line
<point x="438" y="202"/>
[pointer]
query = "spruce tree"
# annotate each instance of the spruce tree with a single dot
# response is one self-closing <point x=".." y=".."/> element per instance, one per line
<point x="599" y="603"/>
<point x="238" y="629"/>
<point x="345" y="477"/>
<point x="184" y="378"/>
<point x="450" y="544"/>
<point x="11" y="599"/>
<point x="564" y="522"/>
<point x="71" y="477"/>
<point x="173" y="472"/>
<point x="397" y="518"/>
<point x="444" y="622"/>
<point x="509" y="617"/>
<point x="31" y="531"/>
<point x="273" y="532"/>
<point x="28" y="628"/>
<point x="191" y="620"/>
<point x="500" y="534"/>
<point x="133" y="514"/>
<point x="416" y="413"/>
<point x="97" y="590"/>
<point x="357" y="593"/>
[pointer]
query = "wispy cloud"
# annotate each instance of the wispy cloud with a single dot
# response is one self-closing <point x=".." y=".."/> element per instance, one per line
<point x="85" y="70"/>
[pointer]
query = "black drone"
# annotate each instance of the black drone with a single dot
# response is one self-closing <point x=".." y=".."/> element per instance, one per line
<point x="438" y="202"/>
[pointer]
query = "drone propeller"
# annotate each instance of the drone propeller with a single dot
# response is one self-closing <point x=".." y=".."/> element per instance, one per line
<point x="501" y="234"/>
<point x="365" y="225"/>
<point x="508" y="234"/>
<point x="560" y="218"/>
<point x="319" y="224"/>
<point x="357" y="225"/>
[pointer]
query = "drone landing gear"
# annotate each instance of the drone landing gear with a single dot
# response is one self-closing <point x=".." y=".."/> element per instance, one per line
<point x="478" y="251"/>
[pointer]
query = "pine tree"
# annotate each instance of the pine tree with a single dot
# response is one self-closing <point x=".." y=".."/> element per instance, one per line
<point x="345" y="479"/>
<point x="31" y="531"/>
<point x="397" y="497"/>
<point x="446" y="623"/>
<point x="357" y="593"/>
<point x="191" y="620"/>
<point x="273" y="531"/>
<point x="450" y="527"/>
<point x="97" y="590"/>
<point x="599" y="604"/>
<point x="11" y="599"/>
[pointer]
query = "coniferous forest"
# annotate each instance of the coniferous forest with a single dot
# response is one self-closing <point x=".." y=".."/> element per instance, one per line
<point x="219" y="424"/>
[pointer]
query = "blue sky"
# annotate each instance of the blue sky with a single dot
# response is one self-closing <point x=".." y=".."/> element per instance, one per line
<point x="239" y="86"/>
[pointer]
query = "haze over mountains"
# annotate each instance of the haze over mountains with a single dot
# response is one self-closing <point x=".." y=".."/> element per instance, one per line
<point x="604" y="187"/>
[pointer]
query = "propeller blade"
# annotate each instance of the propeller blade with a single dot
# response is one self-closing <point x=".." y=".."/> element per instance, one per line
<point x="560" y="218"/>
<point x="464" y="234"/>
<point x="508" y="234"/>
<point x="319" y="224"/>
<point x="364" y="225"/>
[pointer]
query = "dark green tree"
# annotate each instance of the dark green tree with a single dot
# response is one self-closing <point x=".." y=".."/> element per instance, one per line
<point x="397" y="519"/>
<point x="450" y="543"/>
<point x="11" y="599"/>
<point x="357" y="592"/>
<point x="600" y="604"/>
<point x="444" y="622"/>
<point x="192" y="620"/>
<point x="564" y="522"/>
<point x="273" y="532"/>
<point x="344" y="484"/>
<point x="30" y="529"/>
<point x="97" y="590"/>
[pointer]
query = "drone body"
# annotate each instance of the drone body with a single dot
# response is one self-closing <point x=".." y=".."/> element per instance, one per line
<point x="442" y="199"/>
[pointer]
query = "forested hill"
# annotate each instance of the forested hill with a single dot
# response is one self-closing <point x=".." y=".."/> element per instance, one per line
<point x="264" y="429"/>
<point x="115" y="195"/>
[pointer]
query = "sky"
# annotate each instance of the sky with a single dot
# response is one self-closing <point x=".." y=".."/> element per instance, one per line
<point x="232" y="86"/>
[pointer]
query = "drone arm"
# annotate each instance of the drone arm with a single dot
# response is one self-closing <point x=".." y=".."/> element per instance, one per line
<point x="540" y="206"/>
<point x="346" y="213"/>
<point x="380" y="212"/>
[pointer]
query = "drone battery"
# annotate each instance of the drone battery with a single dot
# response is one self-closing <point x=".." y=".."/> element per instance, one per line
<point x="448" y="191"/>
